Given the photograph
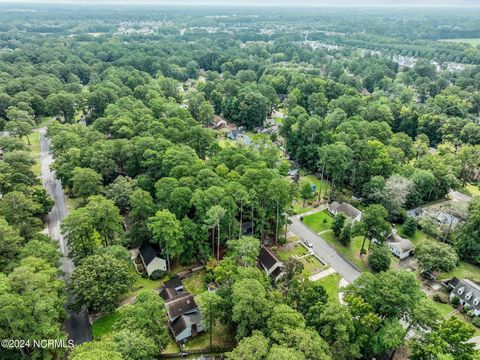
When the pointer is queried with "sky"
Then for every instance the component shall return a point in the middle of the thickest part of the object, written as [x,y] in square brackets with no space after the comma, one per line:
[293,3]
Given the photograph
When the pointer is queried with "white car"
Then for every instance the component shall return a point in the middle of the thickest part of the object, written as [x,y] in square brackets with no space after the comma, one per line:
[308,243]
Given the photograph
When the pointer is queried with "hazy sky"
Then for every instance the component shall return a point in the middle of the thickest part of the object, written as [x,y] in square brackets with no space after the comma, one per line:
[296,3]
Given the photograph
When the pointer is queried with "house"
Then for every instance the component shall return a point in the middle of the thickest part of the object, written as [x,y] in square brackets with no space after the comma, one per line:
[400,247]
[468,292]
[219,123]
[345,208]
[171,288]
[269,262]
[180,305]
[415,213]
[186,326]
[447,219]
[151,262]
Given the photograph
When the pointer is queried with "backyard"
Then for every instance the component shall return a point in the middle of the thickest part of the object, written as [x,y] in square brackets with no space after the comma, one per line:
[311,265]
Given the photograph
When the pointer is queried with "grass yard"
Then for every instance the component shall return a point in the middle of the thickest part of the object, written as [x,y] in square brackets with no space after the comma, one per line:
[298,250]
[73,203]
[195,284]
[171,348]
[417,238]
[311,265]
[299,209]
[319,221]
[222,337]
[351,252]
[472,190]
[321,185]
[331,284]
[463,270]
[140,284]
[104,325]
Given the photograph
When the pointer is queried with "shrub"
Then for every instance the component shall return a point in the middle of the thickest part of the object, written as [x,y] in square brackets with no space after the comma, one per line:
[476,321]
[455,301]
[440,298]
[157,275]
[410,226]
[466,309]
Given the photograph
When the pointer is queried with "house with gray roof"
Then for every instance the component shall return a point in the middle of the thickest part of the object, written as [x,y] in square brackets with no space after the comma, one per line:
[400,247]
[468,292]
[150,259]
[346,209]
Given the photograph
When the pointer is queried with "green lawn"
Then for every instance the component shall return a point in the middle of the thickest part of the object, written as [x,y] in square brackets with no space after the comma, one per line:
[104,325]
[73,203]
[35,152]
[462,271]
[195,284]
[299,209]
[311,265]
[417,238]
[319,221]
[298,250]
[331,284]
[472,190]
[171,348]
[321,185]
[351,252]
[140,284]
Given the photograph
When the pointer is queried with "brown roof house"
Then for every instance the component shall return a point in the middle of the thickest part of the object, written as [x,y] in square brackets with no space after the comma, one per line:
[346,209]
[269,262]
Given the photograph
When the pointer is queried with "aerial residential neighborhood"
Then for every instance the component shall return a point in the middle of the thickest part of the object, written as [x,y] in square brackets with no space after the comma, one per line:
[265,180]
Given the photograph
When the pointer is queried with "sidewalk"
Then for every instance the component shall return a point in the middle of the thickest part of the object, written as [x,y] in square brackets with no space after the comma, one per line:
[322,274]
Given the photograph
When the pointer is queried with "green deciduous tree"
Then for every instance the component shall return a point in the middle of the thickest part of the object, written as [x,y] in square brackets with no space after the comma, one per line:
[99,281]
[379,257]
[86,182]
[244,250]
[435,256]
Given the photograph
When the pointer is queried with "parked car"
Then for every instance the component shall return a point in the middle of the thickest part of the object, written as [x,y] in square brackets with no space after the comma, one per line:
[308,243]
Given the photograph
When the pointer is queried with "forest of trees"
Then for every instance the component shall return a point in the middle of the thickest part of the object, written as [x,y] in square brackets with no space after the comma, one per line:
[130,127]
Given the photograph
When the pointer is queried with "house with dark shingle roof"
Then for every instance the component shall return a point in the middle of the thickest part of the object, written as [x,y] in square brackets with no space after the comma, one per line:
[346,209]
[150,259]
[269,262]
[468,292]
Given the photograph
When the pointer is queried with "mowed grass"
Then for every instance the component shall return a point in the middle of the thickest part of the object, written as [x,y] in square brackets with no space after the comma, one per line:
[319,221]
[464,270]
[331,284]
[416,238]
[298,250]
[322,186]
[104,325]
[351,252]
[472,190]
[311,265]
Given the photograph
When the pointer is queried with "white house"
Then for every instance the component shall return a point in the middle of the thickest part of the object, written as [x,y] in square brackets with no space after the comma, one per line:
[346,209]
[468,292]
[150,260]
[400,247]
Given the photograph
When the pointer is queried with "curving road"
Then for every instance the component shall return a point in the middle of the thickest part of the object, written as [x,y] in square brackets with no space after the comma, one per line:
[344,267]
[77,325]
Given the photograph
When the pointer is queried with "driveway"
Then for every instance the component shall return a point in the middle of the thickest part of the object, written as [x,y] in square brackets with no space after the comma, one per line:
[77,324]
[347,270]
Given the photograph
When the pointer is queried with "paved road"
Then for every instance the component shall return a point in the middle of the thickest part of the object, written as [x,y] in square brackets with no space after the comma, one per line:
[348,271]
[77,325]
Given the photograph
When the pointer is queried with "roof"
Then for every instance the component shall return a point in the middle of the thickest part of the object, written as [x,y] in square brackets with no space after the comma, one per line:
[173,283]
[181,305]
[185,321]
[168,293]
[345,208]
[148,253]
[275,273]
[401,243]
[470,292]
[267,258]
